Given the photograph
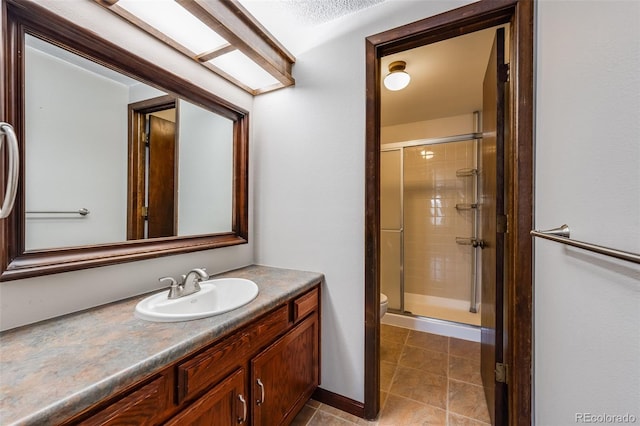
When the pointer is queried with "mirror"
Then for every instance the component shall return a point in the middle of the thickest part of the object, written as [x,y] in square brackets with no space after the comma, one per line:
[77,157]
[121,160]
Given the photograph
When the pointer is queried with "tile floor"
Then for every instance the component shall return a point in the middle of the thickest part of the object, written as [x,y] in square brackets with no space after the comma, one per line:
[425,379]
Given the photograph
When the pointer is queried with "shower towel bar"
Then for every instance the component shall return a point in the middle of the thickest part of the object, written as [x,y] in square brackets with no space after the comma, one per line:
[562,235]
[466,172]
[466,206]
[81,212]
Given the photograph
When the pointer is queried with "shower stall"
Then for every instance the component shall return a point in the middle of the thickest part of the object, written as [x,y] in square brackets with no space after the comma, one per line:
[429,236]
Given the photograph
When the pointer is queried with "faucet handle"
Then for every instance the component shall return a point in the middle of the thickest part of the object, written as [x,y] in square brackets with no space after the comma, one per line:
[171,279]
[174,289]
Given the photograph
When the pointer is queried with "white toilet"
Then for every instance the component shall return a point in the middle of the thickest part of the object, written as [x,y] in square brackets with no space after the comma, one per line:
[383,304]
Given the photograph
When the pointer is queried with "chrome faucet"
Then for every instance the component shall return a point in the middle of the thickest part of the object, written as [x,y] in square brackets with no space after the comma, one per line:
[190,283]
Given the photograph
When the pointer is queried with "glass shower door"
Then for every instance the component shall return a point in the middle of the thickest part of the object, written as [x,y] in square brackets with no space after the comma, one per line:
[391,230]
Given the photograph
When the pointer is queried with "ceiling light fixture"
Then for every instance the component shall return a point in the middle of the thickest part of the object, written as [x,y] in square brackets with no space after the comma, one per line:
[398,78]
[220,35]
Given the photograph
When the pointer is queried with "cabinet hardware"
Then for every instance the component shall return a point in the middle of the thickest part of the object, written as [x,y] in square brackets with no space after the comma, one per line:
[244,410]
[261,400]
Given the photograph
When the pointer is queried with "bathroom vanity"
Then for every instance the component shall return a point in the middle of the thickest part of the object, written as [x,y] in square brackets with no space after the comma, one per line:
[255,365]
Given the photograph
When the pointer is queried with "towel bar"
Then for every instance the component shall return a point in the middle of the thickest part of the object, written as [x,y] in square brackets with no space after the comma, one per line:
[562,235]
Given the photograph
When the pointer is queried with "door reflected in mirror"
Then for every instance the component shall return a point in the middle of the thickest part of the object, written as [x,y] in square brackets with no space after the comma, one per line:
[144,163]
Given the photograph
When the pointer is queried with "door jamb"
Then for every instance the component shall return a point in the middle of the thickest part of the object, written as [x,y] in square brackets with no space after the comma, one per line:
[136,159]
[519,197]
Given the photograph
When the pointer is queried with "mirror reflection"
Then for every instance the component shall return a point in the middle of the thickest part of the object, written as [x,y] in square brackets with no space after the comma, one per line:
[144,164]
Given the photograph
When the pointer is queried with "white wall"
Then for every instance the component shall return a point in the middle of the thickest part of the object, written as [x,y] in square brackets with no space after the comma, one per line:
[309,181]
[436,128]
[587,306]
[29,300]
[83,166]
[206,172]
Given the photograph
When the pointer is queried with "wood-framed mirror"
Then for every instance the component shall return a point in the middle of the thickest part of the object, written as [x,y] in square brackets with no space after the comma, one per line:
[83,109]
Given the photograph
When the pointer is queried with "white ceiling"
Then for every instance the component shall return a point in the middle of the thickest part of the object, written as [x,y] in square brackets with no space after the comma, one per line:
[446,77]
[314,12]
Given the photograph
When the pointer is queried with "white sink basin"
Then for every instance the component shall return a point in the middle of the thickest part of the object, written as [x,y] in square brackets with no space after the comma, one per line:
[215,297]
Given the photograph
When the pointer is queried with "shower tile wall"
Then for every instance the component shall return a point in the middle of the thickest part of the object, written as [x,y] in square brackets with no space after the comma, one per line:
[434,264]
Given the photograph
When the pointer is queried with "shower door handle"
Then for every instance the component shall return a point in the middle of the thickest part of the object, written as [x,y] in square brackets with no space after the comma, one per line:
[474,242]
[477,243]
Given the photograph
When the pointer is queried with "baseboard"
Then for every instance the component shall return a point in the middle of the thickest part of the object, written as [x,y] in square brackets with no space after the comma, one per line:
[340,402]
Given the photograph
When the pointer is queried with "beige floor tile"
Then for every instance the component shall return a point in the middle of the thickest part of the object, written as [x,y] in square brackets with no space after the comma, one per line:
[393,334]
[432,342]
[313,403]
[322,418]
[390,351]
[425,360]
[387,370]
[425,379]
[345,416]
[468,400]
[420,386]
[383,399]
[457,420]
[464,348]
[399,411]
[465,370]
[304,416]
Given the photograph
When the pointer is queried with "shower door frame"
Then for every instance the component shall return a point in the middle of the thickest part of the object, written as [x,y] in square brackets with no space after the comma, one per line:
[401,230]
[400,146]
[519,187]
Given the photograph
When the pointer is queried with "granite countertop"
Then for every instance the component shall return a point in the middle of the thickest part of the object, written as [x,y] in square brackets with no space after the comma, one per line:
[54,369]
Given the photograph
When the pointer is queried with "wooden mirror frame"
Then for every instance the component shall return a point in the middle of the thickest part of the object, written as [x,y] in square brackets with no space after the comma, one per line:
[19,18]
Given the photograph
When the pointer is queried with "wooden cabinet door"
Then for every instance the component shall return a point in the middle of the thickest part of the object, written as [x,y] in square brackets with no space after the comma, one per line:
[223,405]
[284,375]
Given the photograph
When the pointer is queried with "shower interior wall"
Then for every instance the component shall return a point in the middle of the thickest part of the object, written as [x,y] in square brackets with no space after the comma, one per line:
[437,271]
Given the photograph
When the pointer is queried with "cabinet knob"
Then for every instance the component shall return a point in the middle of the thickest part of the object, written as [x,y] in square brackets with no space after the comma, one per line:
[261,400]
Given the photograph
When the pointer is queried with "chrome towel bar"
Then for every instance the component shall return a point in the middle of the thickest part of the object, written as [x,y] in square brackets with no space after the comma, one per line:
[563,234]
[81,212]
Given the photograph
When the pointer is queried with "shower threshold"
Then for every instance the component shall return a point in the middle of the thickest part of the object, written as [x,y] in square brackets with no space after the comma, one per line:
[432,325]
[441,308]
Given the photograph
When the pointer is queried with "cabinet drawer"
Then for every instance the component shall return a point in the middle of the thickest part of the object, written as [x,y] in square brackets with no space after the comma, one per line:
[145,406]
[214,364]
[211,366]
[266,329]
[305,304]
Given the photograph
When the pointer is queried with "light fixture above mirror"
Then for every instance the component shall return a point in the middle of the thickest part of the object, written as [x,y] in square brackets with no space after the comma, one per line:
[220,35]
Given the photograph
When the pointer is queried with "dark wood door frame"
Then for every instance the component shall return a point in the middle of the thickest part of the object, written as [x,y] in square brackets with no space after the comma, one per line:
[518,181]
[137,113]
[491,210]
